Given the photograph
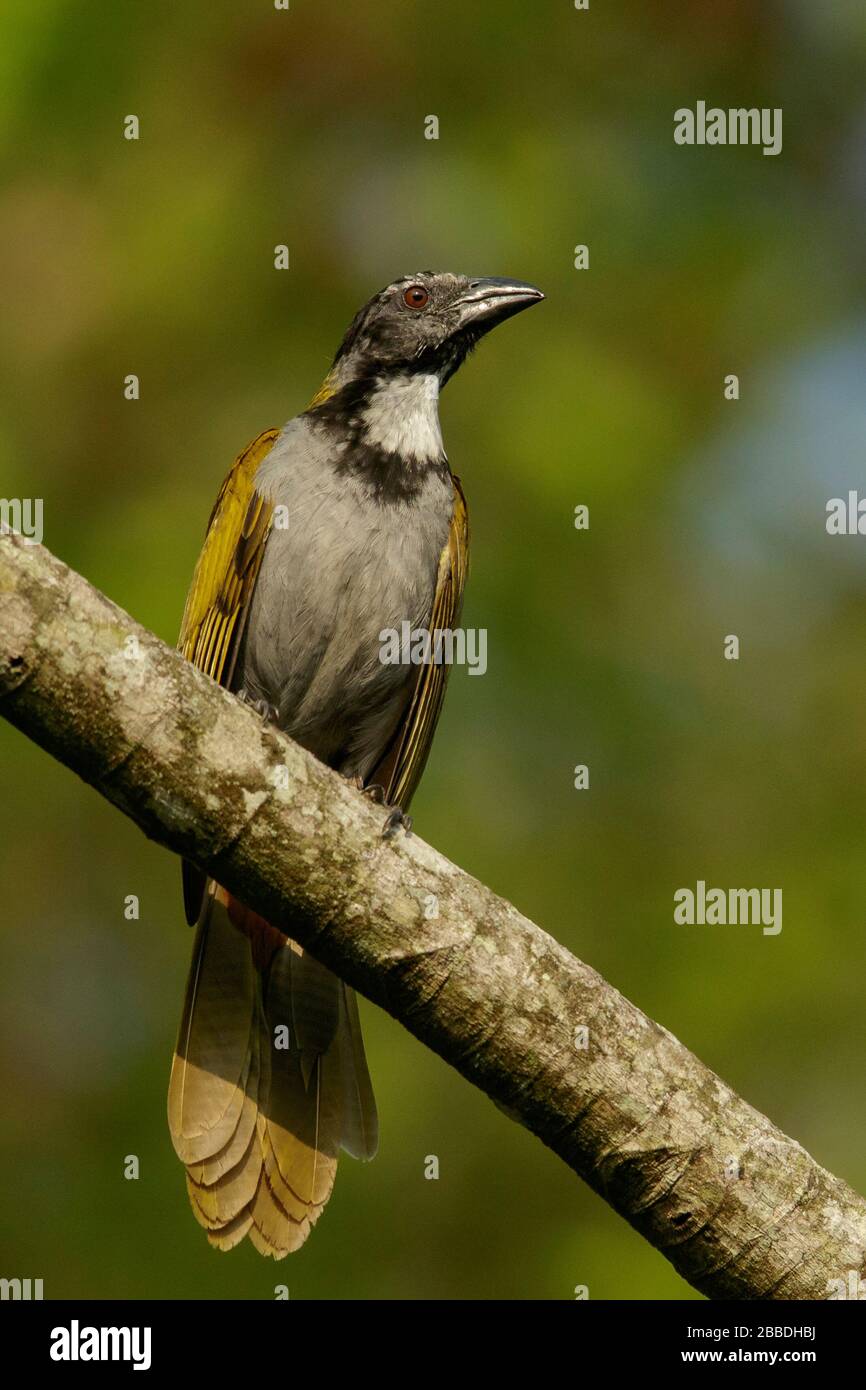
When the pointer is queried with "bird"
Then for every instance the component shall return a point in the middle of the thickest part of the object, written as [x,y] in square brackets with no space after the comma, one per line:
[343,524]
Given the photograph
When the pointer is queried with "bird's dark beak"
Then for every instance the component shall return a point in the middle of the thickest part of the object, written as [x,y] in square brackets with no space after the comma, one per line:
[491,301]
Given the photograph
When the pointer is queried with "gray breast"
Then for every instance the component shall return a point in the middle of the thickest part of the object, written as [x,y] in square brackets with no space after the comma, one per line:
[342,568]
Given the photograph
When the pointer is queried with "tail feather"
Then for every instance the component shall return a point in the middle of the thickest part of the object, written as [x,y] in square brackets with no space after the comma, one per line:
[303,1127]
[360,1129]
[219,1204]
[210,1170]
[274,1231]
[211,1063]
[227,1237]
[279,1189]
[258,1111]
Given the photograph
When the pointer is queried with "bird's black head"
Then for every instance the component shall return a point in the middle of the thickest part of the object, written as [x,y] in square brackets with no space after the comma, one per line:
[427,323]
[379,400]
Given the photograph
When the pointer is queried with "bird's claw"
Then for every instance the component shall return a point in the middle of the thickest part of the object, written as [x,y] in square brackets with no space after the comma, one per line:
[267,713]
[395,819]
[376,793]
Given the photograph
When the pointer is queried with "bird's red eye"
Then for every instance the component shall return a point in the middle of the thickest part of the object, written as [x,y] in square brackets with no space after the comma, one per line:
[416,297]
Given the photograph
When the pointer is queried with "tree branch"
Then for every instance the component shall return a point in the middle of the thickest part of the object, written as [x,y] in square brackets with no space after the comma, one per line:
[738,1208]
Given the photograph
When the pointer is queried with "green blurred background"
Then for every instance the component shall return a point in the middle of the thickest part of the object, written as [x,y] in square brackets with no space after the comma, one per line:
[605,647]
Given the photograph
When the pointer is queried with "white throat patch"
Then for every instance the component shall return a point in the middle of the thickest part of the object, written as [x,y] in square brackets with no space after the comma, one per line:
[402,417]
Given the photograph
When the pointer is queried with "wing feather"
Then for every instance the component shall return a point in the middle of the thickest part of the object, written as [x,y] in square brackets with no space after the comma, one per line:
[228,566]
[222,585]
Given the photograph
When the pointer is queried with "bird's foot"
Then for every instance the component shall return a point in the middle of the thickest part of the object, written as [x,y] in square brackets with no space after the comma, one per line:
[267,713]
[396,818]
[376,793]
[373,792]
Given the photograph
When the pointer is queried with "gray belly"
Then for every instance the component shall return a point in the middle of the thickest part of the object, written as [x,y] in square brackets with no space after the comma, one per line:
[341,570]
